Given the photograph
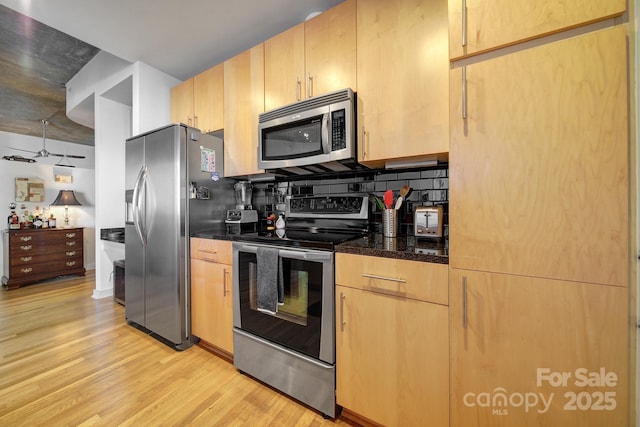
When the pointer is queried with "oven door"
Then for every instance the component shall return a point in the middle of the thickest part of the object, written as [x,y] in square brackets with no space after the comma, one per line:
[304,322]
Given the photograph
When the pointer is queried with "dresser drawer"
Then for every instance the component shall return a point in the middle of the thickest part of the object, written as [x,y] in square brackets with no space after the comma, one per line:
[35,257]
[401,278]
[37,269]
[219,251]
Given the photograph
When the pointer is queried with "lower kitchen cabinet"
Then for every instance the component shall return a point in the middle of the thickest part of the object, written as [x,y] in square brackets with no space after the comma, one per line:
[537,352]
[392,340]
[211,298]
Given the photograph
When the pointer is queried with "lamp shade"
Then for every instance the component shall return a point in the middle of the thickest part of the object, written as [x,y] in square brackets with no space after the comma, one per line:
[66,198]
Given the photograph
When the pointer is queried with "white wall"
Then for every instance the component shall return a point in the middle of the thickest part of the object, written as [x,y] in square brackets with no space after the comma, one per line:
[120,100]
[45,169]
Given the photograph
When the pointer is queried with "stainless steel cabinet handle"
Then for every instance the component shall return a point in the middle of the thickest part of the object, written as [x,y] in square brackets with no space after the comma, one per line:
[364,152]
[206,251]
[464,303]
[298,82]
[224,282]
[464,22]
[309,81]
[390,279]
[464,92]
[195,121]
[342,322]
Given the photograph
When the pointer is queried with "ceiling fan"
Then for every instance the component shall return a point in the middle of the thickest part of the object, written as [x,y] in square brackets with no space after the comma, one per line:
[45,153]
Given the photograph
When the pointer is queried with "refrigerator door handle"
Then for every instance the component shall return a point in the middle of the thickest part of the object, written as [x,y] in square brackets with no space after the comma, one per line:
[137,194]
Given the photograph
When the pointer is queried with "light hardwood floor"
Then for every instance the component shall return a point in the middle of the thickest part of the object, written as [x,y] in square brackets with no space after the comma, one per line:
[67,359]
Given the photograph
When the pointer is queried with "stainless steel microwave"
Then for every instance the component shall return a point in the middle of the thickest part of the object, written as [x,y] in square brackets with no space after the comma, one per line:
[317,131]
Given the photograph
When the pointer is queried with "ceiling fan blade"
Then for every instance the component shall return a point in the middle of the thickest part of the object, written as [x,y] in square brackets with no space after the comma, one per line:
[20,149]
[73,156]
[63,165]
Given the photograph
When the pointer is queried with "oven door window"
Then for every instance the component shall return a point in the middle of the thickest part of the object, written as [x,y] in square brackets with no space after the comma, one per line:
[297,322]
[293,140]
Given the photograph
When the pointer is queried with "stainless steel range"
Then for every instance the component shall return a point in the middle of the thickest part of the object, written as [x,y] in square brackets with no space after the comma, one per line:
[284,297]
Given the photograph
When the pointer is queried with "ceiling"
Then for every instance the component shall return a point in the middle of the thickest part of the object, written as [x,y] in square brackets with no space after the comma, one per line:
[45,43]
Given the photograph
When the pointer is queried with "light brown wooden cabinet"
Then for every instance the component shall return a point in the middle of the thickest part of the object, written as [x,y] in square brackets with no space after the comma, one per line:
[182,103]
[243,102]
[485,25]
[403,80]
[198,101]
[315,57]
[211,293]
[518,340]
[392,338]
[539,168]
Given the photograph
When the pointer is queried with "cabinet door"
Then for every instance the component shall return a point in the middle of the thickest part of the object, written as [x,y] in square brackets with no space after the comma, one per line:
[243,102]
[497,23]
[403,78]
[330,50]
[392,358]
[182,103]
[211,303]
[284,78]
[529,339]
[208,89]
[539,169]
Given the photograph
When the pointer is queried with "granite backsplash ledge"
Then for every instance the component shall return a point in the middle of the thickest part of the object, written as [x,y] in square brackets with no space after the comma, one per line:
[430,186]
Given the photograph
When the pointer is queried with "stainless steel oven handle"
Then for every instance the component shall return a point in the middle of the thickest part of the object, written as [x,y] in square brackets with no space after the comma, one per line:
[311,256]
[284,253]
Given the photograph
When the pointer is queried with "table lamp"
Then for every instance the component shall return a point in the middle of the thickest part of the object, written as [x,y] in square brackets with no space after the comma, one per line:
[66,198]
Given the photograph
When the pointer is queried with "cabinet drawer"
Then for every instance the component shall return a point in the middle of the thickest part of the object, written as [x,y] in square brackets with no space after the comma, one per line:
[406,279]
[211,250]
[34,257]
[49,268]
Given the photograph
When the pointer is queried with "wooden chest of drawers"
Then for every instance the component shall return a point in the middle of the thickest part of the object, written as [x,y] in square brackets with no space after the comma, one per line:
[32,255]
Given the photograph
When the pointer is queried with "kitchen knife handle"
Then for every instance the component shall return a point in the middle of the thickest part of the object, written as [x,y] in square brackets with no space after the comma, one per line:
[342,322]
[464,92]
[465,321]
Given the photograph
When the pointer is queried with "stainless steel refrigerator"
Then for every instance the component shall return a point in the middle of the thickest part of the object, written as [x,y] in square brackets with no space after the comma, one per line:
[174,187]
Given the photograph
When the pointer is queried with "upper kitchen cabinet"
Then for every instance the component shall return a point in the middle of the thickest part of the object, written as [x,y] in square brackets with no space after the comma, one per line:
[403,80]
[313,58]
[208,95]
[182,103]
[480,25]
[243,102]
[198,101]
[539,169]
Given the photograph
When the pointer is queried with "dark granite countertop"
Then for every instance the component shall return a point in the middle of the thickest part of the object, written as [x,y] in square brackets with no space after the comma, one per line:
[215,233]
[112,234]
[401,247]
[373,244]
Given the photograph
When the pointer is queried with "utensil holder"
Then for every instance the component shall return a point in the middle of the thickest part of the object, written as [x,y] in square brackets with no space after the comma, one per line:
[389,223]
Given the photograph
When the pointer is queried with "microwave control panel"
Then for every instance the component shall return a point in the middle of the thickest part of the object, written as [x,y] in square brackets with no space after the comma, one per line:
[338,130]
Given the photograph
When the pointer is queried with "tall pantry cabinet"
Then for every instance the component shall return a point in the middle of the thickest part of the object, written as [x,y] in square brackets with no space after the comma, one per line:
[539,234]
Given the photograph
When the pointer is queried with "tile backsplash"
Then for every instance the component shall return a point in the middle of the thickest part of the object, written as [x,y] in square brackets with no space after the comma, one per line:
[430,186]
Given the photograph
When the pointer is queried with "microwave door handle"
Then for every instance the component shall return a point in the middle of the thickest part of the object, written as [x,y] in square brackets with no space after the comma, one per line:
[325,134]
